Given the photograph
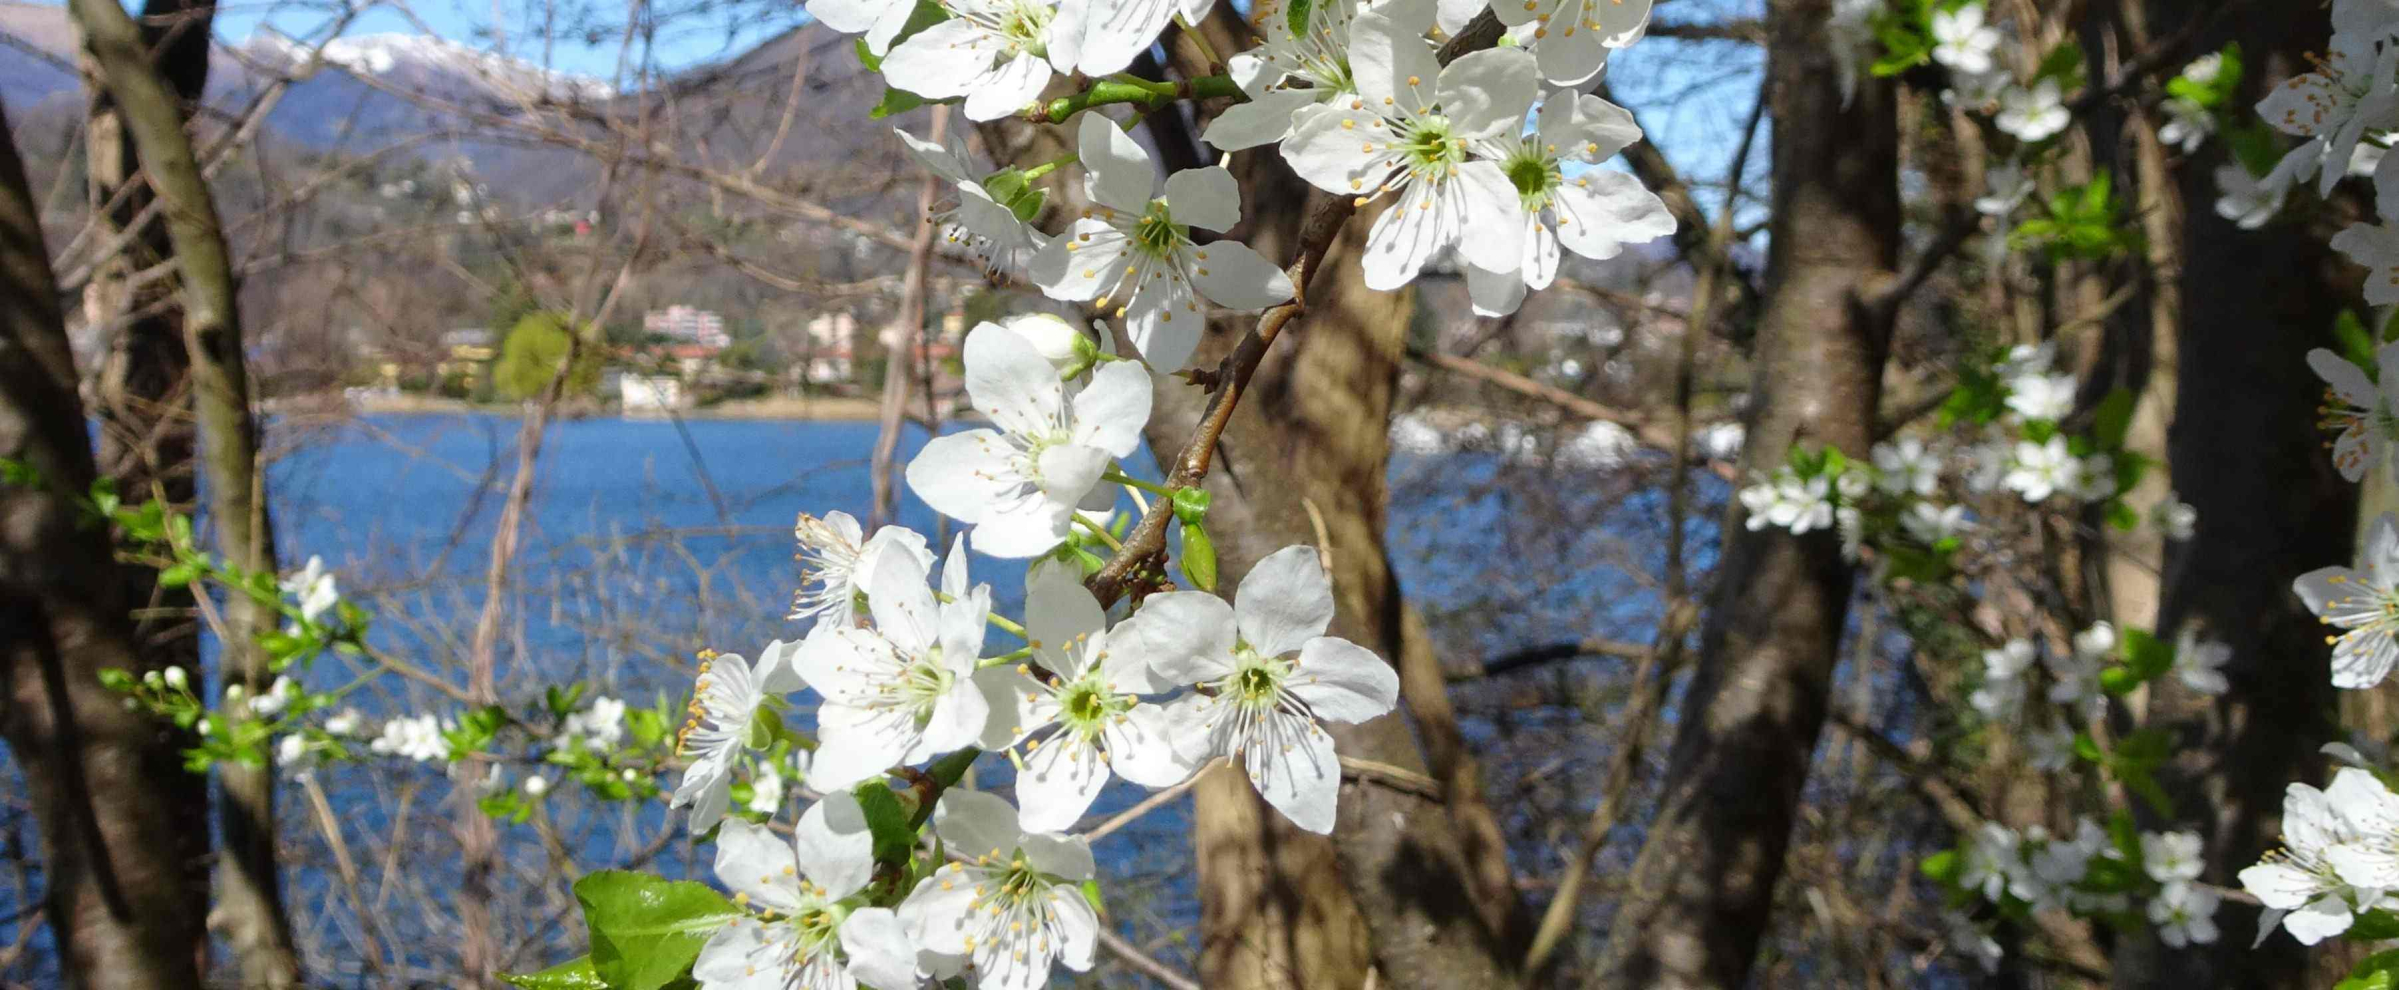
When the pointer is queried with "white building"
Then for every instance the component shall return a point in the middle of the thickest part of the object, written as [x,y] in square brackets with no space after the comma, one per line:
[688,325]
[829,337]
[650,394]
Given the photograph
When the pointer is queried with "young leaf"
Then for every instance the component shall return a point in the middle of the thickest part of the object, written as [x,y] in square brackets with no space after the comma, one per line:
[645,930]
[574,974]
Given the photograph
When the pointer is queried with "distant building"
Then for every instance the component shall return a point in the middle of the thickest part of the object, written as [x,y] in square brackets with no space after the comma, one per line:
[469,344]
[693,360]
[650,393]
[687,325]
[829,354]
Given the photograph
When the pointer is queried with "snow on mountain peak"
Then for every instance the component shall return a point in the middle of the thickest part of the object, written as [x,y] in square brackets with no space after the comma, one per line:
[384,54]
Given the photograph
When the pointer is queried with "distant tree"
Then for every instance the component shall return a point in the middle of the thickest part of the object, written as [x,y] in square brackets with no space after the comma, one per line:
[532,353]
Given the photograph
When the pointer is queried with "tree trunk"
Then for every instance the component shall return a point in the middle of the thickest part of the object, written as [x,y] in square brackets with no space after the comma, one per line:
[249,905]
[142,393]
[119,900]
[1703,884]
[1427,880]
[2246,453]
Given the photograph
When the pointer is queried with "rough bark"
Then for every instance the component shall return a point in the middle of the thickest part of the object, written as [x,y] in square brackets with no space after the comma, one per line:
[249,906]
[1427,881]
[2246,453]
[1704,881]
[142,391]
[119,900]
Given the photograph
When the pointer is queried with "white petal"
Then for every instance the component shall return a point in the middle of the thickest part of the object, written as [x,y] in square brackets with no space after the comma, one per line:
[882,954]
[936,918]
[1234,276]
[2321,919]
[1285,601]
[960,474]
[1453,15]
[1493,231]
[1058,611]
[1117,173]
[957,721]
[1571,60]
[1204,197]
[1186,636]
[1343,681]
[1141,749]
[729,960]
[1066,856]
[1119,31]
[939,62]
[835,849]
[1332,157]
[975,823]
[850,749]
[903,606]
[1297,772]
[1164,320]
[1068,471]
[1011,382]
[1110,412]
[963,624]
[1060,780]
[1487,92]
[775,673]
[2372,866]
[1494,293]
[751,860]
[1083,264]
[1024,527]
[1265,119]
[946,161]
[1010,697]
[1407,237]
[2280,885]
[1078,930]
[1603,210]
[1387,49]
[1008,89]
[1591,121]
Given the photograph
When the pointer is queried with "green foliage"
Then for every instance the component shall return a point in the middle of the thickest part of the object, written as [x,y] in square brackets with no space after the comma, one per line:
[2356,344]
[535,349]
[2063,64]
[2379,971]
[2378,925]
[2081,224]
[894,101]
[1010,188]
[645,931]
[1296,17]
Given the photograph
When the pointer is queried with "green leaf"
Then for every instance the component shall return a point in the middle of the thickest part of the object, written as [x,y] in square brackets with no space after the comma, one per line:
[574,974]
[2064,64]
[1942,867]
[2122,516]
[2147,655]
[895,101]
[895,839]
[1296,17]
[2356,344]
[2113,418]
[1091,893]
[2373,926]
[19,473]
[2379,971]
[645,930]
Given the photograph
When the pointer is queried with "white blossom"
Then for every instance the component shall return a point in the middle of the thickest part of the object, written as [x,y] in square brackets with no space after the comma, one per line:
[2184,914]
[2008,185]
[2041,396]
[2171,856]
[835,559]
[2199,663]
[1930,524]
[2248,201]
[1092,698]
[2187,125]
[1019,484]
[1267,704]
[2040,470]
[801,928]
[2354,88]
[2033,115]
[996,53]
[1571,39]
[1133,248]
[725,700]
[1408,133]
[2175,518]
[1289,78]
[536,785]
[314,588]
[1594,214]
[2357,410]
[1907,466]
[903,691]
[1011,908]
[972,219]
[2300,885]
[1989,860]
[2376,245]
[1962,41]
[418,738]
[2363,604]
[599,728]
[2050,749]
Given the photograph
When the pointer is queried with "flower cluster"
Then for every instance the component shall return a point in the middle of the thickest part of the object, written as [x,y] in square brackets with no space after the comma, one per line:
[1351,94]
[903,678]
[2094,872]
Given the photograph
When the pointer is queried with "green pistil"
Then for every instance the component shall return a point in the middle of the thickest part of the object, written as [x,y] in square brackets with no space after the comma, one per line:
[1156,233]
[1085,703]
[1027,27]
[1535,177]
[1428,148]
[1256,679]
